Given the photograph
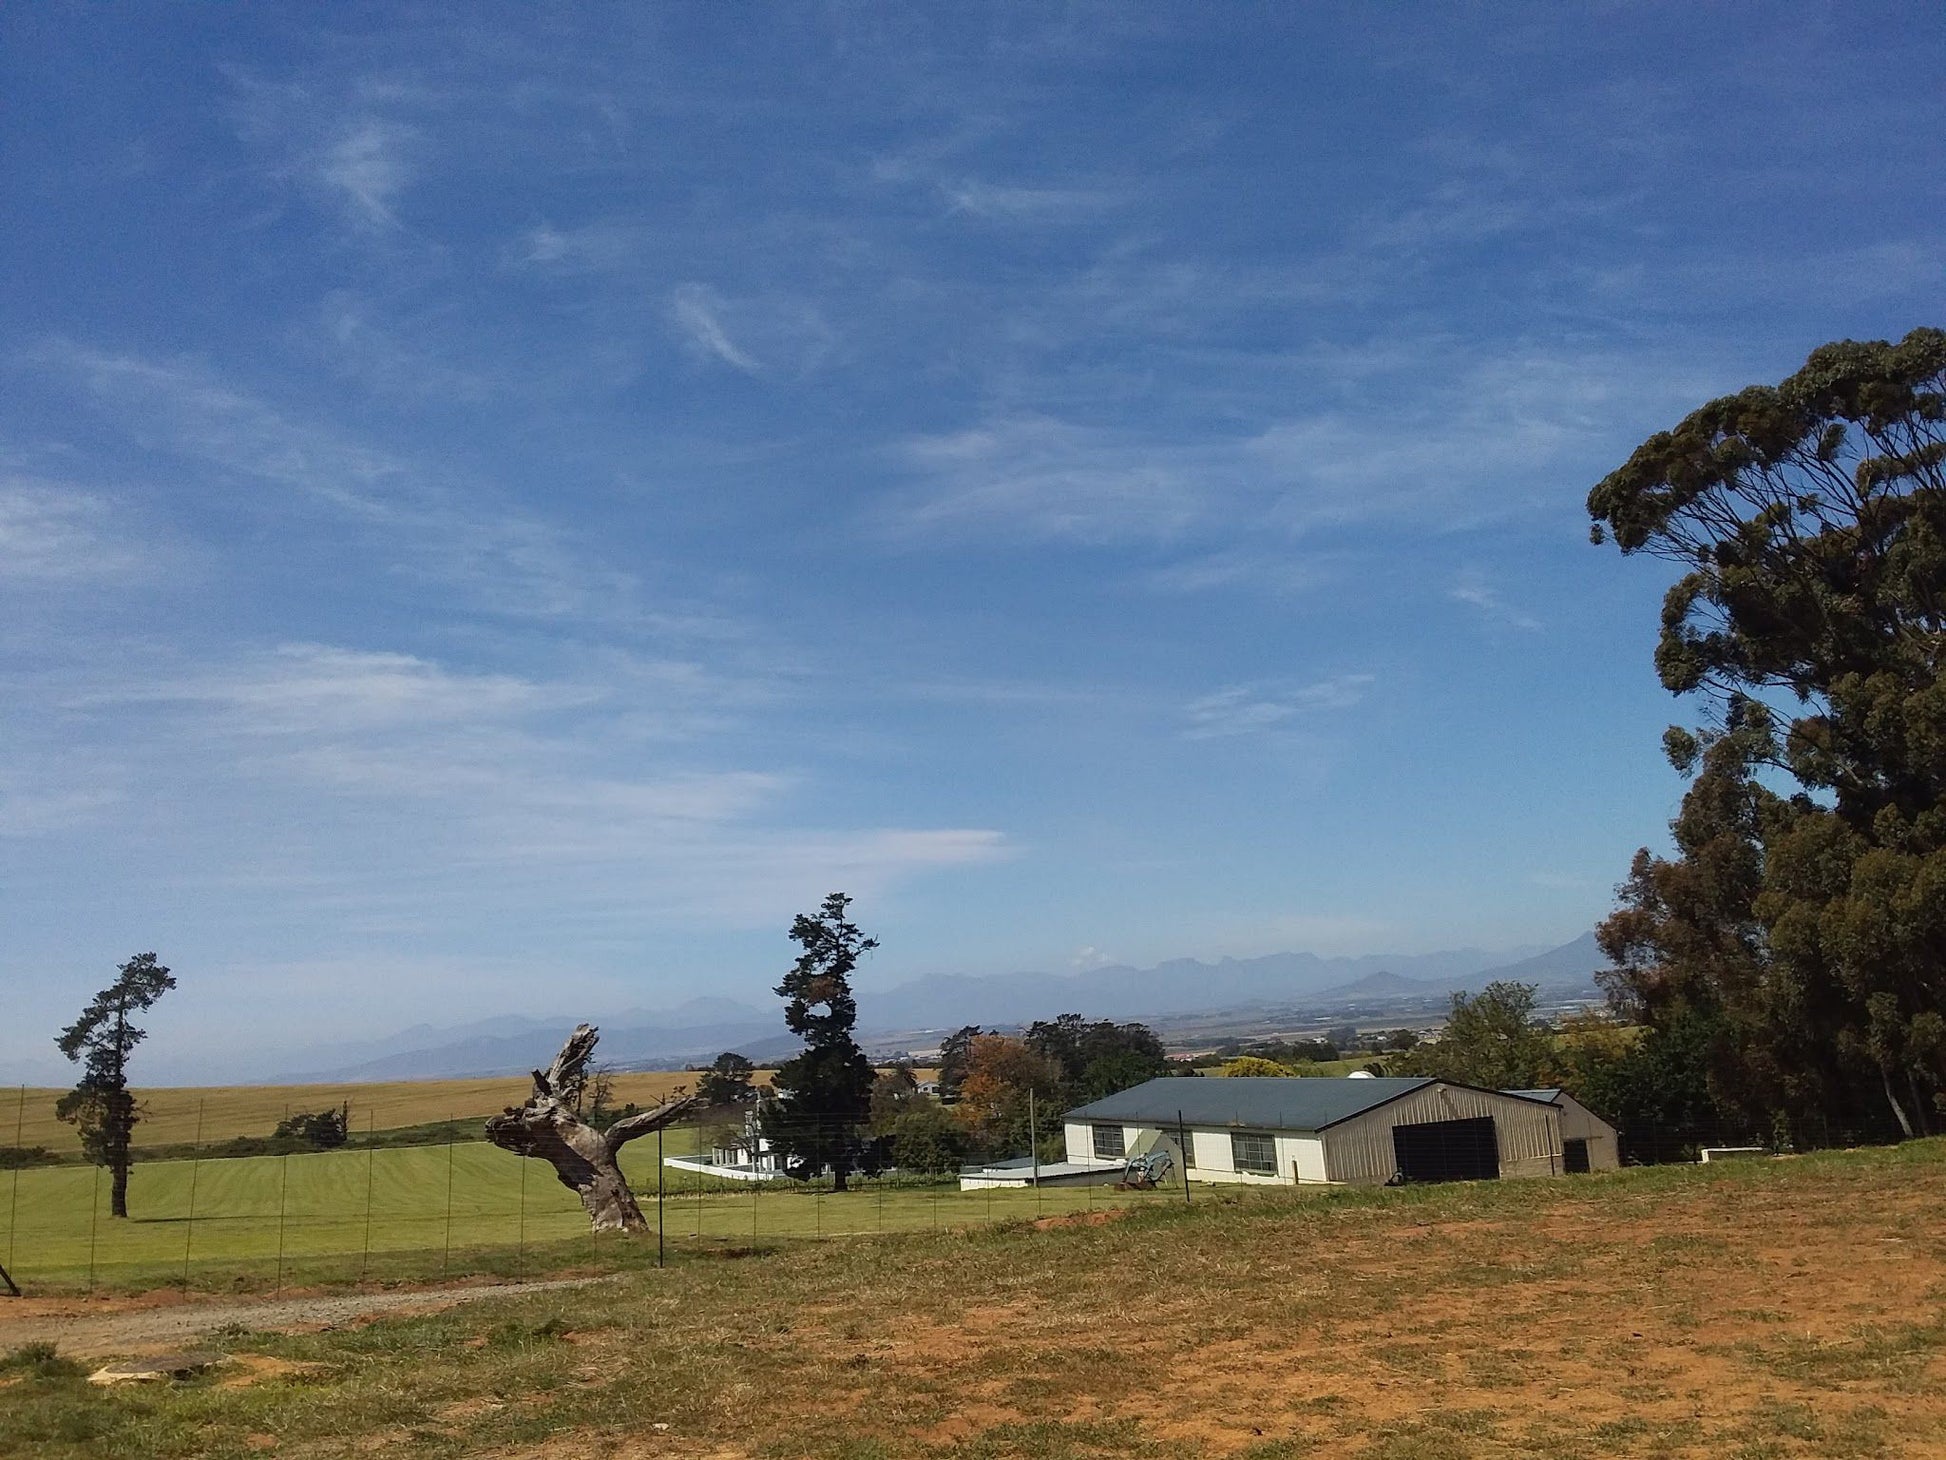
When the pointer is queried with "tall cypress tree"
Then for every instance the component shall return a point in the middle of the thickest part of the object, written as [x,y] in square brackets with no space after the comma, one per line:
[101,1041]
[823,1107]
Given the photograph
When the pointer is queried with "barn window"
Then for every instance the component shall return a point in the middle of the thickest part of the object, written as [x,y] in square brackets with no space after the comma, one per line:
[1109,1145]
[1187,1140]
[1253,1153]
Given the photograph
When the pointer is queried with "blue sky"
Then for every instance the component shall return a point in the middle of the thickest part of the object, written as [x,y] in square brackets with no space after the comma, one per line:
[502,506]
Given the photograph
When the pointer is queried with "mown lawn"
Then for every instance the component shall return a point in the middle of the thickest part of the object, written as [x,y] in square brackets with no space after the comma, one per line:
[272,1221]
[1788,1308]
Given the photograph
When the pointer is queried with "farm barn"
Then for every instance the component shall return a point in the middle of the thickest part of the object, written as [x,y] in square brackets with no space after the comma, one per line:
[1355,1131]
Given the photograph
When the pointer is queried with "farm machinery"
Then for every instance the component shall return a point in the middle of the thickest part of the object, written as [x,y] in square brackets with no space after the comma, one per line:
[1147,1171]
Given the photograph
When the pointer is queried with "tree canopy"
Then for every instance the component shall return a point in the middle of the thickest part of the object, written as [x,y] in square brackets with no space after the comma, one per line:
[1491,1039]
[1801,923]
[727,1081]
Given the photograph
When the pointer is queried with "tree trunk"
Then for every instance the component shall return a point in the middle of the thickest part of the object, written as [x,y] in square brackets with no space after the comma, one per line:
[584,1159]
[1897,1109]
[118,1188]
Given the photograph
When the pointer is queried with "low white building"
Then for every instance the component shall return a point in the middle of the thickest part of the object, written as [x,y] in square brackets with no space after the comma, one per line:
[745,1155]
[1351,1131]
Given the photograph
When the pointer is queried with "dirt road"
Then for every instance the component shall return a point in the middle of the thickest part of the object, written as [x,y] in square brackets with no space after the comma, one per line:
[95,1328]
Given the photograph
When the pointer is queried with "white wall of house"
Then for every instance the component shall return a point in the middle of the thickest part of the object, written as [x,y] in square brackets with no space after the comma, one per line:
[1299,1156]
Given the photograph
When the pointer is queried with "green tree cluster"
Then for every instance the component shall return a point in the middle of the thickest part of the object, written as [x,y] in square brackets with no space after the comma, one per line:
[1797,935]
[1097,1058]
[1492,1039]
[322,1130]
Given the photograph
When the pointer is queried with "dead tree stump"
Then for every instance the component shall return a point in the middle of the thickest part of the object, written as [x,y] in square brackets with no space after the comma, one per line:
[585,1159]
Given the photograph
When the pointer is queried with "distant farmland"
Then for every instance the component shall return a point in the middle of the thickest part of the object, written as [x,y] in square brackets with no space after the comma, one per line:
[175,1115]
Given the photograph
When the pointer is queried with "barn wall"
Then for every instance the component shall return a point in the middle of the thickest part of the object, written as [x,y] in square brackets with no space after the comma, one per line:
[1578,1120]
[1359,1151]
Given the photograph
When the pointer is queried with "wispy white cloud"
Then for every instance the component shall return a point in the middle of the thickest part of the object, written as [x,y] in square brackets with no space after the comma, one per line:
[553,797]
[430,523]
[1033,476]
[1473,588]
[1250,709]
[694,308]
[366,167]
[1285,573]
[999,202]
[1487,442]
[56,534]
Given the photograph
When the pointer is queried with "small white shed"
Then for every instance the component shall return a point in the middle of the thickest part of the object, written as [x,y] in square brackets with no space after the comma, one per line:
[1341,1131]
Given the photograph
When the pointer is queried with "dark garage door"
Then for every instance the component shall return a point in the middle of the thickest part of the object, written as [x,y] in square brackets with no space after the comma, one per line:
[1447,1150]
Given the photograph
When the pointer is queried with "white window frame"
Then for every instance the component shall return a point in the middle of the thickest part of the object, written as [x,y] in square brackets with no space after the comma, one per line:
[1267,1166]
[1121,1142]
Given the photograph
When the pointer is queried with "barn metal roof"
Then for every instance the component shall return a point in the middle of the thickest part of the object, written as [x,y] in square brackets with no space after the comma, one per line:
[1550,1096]
[1263,1102]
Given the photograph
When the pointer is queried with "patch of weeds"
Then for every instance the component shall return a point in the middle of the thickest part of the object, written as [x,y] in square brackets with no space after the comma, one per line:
[1873,1353]
[1286,1449]
[41,1361]
[1056,1440]
[1860,1433]
[1794,1420]
[515,1334]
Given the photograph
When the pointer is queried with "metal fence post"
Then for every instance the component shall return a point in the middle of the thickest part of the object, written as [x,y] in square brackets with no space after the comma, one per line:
[20,1156]
[283,1191]
[94,1224]
[195,1164]
[371,1151]
[659,1168]
[446,1253]
[1182,1144]
[520,1258]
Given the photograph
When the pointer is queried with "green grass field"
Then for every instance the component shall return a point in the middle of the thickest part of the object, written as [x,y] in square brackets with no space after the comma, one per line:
[468,1207]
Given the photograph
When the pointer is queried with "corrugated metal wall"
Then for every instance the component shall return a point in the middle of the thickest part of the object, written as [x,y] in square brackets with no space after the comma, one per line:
[1578,1120]
[1360,1151]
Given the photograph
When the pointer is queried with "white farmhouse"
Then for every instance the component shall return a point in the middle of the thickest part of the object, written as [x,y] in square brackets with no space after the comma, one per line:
[1351,1131]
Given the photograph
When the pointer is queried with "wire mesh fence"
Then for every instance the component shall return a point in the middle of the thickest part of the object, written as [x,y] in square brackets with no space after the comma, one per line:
[459,1208]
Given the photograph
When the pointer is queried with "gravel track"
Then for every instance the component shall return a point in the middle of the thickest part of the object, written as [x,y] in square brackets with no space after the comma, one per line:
[85,1330]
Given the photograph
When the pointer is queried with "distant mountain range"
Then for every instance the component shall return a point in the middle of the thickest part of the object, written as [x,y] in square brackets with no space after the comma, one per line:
[1181,988]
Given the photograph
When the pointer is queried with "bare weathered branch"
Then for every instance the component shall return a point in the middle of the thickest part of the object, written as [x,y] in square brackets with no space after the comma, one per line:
[583,1158]
[628,1128]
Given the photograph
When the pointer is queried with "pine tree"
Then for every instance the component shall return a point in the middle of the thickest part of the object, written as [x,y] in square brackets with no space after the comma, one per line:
[824,1095]
[101,1041]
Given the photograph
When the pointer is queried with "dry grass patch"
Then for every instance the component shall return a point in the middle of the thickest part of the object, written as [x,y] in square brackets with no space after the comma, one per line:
[1784,1309]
